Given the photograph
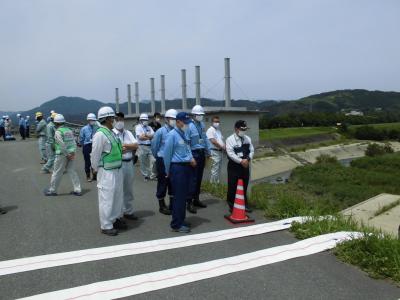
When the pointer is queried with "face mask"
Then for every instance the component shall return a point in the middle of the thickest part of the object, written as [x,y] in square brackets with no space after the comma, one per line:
[145,123]
[241,133]
[215,125]
[92,122]
[199,118]
[157,119]
[113,123]
[184,128]
[172,123]
[119,125]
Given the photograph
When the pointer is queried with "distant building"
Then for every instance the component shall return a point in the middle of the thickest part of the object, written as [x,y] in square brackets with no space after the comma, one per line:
[355,113]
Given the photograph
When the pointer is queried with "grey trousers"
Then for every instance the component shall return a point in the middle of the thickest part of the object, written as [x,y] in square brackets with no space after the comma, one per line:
[61,164]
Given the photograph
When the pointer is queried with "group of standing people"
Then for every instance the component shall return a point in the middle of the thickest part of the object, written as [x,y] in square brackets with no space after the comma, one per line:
[173,153]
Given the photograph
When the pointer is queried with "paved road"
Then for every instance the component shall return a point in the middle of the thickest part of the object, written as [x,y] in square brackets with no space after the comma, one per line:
[37,225]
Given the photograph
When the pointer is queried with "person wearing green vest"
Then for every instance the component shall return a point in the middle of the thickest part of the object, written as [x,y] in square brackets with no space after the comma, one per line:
[65,149]
[106,161]
[50,145]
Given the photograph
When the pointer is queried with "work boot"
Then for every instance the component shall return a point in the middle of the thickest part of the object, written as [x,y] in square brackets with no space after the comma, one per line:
[198,203]
[131,216]
[163,208]
[182,229]
[120,224]
[110,232]
[190,207]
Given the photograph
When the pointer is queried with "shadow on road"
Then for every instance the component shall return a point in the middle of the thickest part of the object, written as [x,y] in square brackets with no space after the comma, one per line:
[196,221]
[9,208]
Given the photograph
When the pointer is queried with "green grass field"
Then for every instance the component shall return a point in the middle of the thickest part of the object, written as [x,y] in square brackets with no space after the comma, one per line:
[285,133]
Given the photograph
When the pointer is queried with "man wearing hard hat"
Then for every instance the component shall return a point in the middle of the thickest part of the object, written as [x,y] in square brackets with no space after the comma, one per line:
[157,148]
[22,126]
[106,160]
[200,147]
[41,134]
[65,149]
[144,135]
[50,145]
[85,141]
[27,126]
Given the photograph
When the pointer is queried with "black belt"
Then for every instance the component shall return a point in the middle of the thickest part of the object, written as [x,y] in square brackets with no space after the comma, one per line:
[181,163]
[198,150]
[127,160]
[144,145]
[216,149]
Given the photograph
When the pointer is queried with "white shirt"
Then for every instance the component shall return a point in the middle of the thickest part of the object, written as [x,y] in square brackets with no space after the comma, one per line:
[140,129]
[235,141]
[126,137]
[100,144]
[213,133]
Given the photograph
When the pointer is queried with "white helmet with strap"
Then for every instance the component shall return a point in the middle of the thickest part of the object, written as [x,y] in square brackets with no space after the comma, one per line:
[59,118]
[144,117]
[198,110]
[105,112]
[91,117]
[171,113]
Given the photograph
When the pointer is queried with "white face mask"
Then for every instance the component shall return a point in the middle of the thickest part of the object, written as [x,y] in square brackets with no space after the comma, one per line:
[113,123]
[92,122]
[119,125]
[172,123]
[241,133]
[145,123]
[199,118]
[215,125]
[184,128]
[157,119]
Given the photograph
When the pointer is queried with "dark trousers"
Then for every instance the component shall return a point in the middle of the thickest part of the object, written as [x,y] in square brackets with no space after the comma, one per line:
[22,131]
[27,132]
[163,183]
[180,178]
[197,172]
[87,149]
[3,133]
[236,172]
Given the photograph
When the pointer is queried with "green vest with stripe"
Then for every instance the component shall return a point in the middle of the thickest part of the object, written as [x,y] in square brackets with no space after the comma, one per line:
[112,160]
[68,139]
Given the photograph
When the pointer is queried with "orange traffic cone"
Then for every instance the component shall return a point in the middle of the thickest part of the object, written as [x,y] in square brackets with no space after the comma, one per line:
[239,208]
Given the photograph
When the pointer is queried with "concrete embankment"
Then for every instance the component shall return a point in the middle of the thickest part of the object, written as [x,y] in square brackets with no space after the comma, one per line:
[269,166]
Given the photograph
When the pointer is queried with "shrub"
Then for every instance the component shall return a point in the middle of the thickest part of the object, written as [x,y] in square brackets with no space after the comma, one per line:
[376,149]
[370,133]
[326,159]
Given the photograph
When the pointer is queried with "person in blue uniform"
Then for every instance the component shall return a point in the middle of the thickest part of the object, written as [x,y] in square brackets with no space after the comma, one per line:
[157,148]
[22,126]
[179,164]
[85,141]
[200,147]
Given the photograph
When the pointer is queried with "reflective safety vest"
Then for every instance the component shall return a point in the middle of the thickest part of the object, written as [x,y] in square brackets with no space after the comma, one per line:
[113,159]
[68,139]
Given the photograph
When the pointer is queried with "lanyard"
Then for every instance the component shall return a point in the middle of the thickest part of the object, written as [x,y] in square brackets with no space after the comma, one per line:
[200,132]
[182,136]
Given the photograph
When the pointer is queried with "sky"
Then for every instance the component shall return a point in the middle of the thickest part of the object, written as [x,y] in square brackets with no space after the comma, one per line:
[279,49]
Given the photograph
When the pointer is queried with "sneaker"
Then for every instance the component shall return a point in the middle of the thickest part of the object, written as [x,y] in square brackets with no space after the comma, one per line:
[110,232]
[120,224]
[49,193]
[132,217]
[182,229]
[76,193]
[89,179]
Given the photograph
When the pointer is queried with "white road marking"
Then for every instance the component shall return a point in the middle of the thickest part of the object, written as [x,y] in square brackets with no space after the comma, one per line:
[81,256]
[143,283]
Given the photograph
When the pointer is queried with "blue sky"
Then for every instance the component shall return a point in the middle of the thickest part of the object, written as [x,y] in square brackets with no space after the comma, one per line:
[282,49]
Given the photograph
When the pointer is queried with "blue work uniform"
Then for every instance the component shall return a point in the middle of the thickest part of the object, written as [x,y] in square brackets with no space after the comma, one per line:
[157,148]
[177,157]
[85,140]
[27,125]
[22,127]
[200,147]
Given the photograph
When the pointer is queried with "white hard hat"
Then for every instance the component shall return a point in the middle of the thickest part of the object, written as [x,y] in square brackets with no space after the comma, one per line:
[59,118]
[52,112]
[198,110]
[105,112]
[91,117]
[143,117]
[171,113]
[27,117]
[18,115]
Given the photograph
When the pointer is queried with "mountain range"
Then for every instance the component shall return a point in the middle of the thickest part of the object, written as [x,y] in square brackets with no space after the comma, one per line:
[75,108]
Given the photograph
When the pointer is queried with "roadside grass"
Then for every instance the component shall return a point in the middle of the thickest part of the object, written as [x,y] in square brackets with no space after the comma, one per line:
[395,125]
[326,188]
[285,133]
[342,140]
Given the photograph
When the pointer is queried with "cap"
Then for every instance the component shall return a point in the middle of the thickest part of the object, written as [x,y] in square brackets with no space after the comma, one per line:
[242,125]
[184,117]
